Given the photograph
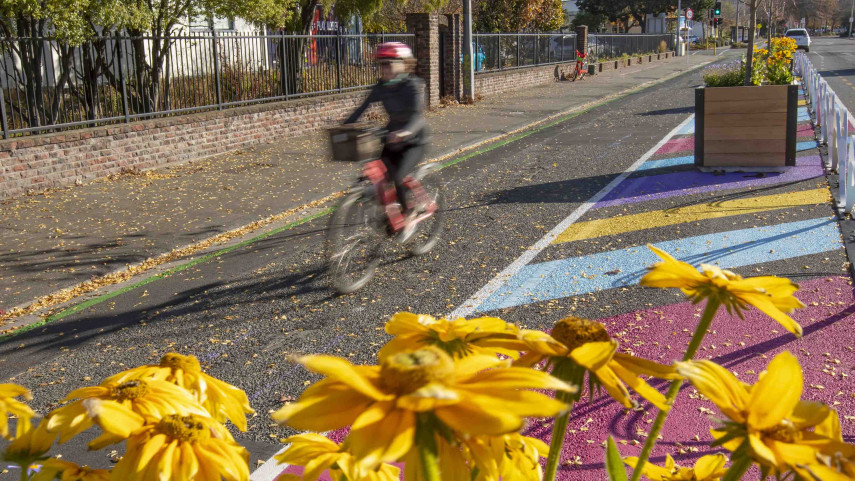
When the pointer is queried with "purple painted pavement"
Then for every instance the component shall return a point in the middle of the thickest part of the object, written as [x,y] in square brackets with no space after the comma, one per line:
[652,187]
[743,346]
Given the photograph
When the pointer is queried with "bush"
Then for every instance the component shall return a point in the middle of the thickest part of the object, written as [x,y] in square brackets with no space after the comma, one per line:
[729,74]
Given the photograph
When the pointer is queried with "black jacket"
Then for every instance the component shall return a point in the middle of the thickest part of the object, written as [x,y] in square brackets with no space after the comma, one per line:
[404,103]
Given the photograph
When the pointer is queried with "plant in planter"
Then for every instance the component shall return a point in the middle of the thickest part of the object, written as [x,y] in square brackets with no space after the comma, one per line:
[753,127]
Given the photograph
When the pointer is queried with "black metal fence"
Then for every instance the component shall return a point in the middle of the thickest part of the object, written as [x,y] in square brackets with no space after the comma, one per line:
[499,51]
[615,45]
[46,85]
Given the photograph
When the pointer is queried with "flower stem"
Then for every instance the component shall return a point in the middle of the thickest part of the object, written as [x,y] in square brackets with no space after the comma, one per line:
[559,429]
[567,371]
[701,331]
[737,468]
[428,451]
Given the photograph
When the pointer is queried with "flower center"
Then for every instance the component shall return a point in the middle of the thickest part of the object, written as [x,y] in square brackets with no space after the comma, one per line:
[574,332]
[131,390]
[184,363]
[785,432]
[188,429]
[716,272]
[406,372]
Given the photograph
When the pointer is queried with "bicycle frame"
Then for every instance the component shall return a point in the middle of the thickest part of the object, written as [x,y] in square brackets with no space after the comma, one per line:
[384,191]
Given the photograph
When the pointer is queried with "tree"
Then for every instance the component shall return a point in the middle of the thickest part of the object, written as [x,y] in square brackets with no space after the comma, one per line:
[752,26]
[592,20]
[519,15]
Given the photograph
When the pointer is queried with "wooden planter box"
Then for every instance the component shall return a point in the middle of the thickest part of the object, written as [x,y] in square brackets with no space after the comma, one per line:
[748,127]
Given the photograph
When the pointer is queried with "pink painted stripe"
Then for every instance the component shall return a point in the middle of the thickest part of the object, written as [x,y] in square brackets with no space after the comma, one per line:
[677,145]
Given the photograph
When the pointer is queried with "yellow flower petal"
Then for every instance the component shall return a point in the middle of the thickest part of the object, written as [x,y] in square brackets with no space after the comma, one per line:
[428,398]
[613,385]
[542,343]
[344,372]
[650,470]
[471,418]
[407,322]
[640,386]
[112,417]
[326,405]
[719,385]
[710,467]
[761,451]
[516,378]
[764,303]
[777,393]
[638,365]
[401,343]
[382,434]
[594,355]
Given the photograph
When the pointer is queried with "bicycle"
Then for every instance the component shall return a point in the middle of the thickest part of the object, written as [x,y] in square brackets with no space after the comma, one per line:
[581,65]
[371,213]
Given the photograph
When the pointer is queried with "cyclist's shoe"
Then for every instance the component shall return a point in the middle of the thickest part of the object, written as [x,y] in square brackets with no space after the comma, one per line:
[410,225]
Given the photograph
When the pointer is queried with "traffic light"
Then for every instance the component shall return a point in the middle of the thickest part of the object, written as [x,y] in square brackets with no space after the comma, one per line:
[717,9]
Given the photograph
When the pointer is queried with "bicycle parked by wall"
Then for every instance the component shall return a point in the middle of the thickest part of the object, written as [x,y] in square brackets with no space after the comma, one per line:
[581,66]
[372,214]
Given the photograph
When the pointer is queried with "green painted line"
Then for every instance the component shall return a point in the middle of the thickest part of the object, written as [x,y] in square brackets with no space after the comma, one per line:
[169,272]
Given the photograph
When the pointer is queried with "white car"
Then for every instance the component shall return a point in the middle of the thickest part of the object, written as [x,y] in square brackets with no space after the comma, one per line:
[801,37]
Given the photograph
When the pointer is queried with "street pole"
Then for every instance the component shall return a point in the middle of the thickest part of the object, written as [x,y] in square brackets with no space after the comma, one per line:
[737,22]
[679,33]
[468,64]
[851,14]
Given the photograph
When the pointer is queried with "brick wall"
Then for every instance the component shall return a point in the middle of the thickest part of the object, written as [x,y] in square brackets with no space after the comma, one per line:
[54,160]
[487,84]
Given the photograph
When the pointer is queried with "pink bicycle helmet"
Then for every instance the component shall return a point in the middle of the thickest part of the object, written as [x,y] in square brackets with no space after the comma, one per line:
[393,51]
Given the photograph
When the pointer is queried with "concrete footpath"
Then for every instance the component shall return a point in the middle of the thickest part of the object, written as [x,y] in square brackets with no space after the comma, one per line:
[116,227]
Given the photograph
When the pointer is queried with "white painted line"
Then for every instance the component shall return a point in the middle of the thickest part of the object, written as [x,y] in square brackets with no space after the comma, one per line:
[270,469]
[468,307]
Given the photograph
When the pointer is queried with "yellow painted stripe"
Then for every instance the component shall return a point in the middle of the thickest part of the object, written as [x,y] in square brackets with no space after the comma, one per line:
[802,103]
[691,213]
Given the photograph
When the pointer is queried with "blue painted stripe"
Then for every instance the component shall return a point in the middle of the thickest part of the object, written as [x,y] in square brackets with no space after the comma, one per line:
[672,162]
[586,274]
[689,128]
[807,145]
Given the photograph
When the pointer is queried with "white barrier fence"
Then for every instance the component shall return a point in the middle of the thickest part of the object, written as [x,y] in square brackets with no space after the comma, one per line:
[833,120]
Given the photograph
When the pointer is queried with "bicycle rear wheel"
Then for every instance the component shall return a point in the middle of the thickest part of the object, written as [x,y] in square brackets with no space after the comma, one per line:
[354,240]
[429,230]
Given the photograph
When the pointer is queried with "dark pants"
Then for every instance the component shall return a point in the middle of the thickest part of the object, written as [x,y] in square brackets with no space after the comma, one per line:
[401,160]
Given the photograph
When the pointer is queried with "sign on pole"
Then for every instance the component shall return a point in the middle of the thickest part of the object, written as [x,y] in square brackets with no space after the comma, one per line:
[689,13]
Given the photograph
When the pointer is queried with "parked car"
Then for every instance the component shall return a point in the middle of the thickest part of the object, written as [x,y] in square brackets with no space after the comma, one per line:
[801,37]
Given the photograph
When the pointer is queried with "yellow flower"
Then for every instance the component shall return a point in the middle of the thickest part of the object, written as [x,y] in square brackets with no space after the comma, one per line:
[518,457]
[770,294]
[10,405]
[768,418]
[222,400]
[474,395]
[459,338]
[707,468]
[183,447]
[31,445]
[150,399]
[66,471]
[317,454]
[590,347]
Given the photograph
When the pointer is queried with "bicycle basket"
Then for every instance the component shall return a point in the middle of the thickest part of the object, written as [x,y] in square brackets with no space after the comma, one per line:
[350,144]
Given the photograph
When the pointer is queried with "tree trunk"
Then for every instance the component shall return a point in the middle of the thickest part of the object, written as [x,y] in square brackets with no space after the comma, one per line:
[749,56]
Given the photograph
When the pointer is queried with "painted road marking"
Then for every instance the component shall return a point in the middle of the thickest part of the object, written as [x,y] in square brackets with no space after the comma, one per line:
[473,302]
[586,274]
[672,162]
[806,145]
[691,213]
[672,184]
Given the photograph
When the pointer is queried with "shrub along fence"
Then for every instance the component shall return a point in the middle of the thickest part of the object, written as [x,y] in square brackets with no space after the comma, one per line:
[46,85]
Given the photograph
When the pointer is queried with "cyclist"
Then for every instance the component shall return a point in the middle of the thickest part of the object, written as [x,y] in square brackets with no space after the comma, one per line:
[402,96]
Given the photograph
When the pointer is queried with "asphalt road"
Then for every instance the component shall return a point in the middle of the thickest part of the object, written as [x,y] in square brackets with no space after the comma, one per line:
[243,313]
[835,59]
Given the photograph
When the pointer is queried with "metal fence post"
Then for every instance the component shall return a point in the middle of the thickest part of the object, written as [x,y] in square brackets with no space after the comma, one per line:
[217,69]
[122,79]
[283,70]
[3,120]
[338,59]
[518,50]
[499,51]
[536,48]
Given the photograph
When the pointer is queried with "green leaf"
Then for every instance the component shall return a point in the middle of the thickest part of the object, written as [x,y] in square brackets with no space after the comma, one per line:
[614,463]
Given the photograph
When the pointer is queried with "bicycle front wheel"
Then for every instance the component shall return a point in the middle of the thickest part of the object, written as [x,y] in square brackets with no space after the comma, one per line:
[429,230]
[354,240]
